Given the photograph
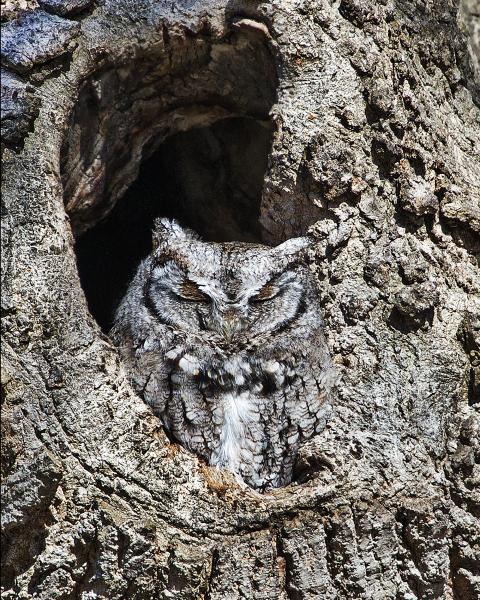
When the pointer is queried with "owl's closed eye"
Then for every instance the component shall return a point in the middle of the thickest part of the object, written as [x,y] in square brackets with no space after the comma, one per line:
[190,291]
[267,292]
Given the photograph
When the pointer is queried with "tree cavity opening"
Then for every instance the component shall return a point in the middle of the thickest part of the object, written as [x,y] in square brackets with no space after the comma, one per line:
[210,179]
[185,135]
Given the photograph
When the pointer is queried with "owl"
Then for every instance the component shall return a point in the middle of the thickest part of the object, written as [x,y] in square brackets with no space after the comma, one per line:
[225,342]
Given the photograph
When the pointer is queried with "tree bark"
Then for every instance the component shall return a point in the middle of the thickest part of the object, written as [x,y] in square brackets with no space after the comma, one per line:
[374,108]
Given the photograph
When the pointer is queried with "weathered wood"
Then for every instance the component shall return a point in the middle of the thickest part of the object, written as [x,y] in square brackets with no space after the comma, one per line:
[375,112]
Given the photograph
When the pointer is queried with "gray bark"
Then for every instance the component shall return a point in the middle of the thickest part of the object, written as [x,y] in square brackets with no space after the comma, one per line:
[375,115]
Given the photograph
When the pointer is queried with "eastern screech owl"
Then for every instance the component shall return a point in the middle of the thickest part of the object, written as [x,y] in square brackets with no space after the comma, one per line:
[225,342]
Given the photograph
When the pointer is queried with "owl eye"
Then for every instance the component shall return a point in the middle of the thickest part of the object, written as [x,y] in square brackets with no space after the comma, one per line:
[190,291]
[267,292]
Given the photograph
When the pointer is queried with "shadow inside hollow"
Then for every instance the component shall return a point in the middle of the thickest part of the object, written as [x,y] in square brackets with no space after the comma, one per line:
[209,178]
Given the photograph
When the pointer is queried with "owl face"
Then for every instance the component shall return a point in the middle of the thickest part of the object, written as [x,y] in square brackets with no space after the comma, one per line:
[226,293]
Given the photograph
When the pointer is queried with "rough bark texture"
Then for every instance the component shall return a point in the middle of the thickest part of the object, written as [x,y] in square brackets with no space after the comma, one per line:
[375,115]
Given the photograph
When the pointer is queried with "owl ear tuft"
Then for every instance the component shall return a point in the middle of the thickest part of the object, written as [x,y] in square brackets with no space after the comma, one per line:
[294,249]
[166,231]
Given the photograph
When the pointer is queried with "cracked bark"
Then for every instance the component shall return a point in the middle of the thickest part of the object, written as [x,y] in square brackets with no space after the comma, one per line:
[373,109]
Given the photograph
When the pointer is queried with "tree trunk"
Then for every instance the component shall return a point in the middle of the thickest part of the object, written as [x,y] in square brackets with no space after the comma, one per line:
[370,119]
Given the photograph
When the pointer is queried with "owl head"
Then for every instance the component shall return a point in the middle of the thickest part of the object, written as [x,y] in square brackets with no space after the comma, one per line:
[229,293]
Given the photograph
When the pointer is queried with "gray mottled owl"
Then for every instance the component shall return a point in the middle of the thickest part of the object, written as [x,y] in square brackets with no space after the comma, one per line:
[225,342]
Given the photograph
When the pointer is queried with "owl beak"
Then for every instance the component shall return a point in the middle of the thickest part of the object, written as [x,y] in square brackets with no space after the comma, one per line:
[230,327]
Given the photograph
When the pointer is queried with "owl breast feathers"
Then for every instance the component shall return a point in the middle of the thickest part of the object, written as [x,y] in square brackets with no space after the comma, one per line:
[225,342]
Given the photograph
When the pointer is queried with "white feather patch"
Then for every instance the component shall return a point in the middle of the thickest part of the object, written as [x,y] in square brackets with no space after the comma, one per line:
[189,364]
[237,415]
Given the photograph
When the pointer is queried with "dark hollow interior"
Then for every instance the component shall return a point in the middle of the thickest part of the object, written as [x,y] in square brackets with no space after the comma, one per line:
[210,179]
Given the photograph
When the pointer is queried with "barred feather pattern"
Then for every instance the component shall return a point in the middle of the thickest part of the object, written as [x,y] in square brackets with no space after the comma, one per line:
[225,342]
